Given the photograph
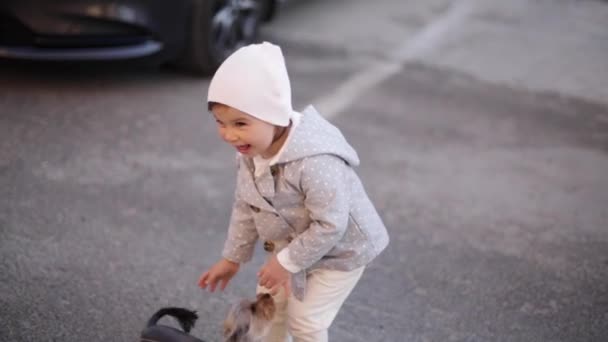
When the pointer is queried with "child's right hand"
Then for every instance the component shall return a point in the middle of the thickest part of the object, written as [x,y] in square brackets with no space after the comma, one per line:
[221,273]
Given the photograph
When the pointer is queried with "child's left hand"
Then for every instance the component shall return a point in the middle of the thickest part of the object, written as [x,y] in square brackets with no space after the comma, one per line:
[273,276]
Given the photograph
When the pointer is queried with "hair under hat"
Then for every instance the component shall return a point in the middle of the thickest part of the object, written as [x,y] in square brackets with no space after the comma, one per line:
[254,80]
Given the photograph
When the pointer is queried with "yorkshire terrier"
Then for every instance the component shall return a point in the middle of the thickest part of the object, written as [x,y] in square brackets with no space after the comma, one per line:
[247,321]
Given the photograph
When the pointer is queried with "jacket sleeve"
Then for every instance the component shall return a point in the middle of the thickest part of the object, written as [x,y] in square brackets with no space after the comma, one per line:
[325,183]
[242,234]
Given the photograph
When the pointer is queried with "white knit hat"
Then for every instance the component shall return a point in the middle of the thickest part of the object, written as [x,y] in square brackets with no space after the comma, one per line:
[254,80]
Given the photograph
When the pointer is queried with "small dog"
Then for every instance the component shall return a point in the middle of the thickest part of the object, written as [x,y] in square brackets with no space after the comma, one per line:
[154,332]
[247,321]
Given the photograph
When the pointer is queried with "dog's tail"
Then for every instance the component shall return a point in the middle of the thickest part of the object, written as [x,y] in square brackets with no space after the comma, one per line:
[184,317]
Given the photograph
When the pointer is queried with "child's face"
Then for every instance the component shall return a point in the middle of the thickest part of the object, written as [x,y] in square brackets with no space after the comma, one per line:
[249,135]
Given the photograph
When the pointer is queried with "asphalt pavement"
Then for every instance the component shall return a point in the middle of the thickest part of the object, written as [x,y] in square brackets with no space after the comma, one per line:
[495,201]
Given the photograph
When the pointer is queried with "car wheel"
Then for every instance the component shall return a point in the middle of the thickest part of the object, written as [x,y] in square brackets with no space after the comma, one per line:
[218,28]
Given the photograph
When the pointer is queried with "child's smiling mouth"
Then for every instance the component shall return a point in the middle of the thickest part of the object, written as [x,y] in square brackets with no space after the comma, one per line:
[243,148]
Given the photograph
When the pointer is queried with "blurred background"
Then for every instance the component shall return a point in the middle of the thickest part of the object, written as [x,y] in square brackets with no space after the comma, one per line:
[482,127]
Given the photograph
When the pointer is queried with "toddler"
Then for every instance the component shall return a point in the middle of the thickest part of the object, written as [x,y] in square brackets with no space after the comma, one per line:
[296,191]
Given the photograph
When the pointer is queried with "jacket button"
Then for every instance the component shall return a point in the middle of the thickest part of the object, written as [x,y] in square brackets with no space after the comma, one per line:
[268,246]
[289,239]
[254,208]
[274,170]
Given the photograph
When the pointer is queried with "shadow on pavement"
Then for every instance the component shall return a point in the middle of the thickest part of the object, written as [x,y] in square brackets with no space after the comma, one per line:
[19,73]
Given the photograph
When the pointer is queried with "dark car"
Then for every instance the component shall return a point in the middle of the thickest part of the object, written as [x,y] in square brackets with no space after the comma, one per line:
[194,34]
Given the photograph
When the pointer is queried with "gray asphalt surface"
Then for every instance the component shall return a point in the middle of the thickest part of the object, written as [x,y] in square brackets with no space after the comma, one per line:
[116,194]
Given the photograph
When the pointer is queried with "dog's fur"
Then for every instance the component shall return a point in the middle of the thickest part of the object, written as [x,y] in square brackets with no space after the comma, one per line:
[247,321]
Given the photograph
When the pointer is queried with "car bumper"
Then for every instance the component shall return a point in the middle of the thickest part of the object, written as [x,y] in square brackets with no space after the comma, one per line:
[90,29]
[82,54]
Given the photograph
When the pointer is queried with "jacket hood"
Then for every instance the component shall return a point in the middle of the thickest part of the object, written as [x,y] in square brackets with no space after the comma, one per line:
[254,80]
[315,135]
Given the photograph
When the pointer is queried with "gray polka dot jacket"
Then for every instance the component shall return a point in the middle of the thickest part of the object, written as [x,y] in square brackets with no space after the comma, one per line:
[311,202]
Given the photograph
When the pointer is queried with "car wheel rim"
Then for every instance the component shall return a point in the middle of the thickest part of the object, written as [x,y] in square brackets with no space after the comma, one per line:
[233,25]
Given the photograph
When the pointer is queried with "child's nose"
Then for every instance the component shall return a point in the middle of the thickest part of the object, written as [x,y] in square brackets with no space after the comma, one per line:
[229,136]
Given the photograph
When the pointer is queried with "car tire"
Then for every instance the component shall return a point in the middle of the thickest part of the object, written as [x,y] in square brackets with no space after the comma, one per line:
[218,28]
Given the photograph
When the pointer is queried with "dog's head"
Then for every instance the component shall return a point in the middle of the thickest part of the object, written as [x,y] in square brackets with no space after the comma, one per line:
[249,320]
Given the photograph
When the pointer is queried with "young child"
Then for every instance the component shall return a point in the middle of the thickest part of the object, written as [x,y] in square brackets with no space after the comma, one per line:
[297,191]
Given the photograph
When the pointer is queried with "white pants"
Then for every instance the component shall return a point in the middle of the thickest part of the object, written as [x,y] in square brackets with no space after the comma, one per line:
[309,320]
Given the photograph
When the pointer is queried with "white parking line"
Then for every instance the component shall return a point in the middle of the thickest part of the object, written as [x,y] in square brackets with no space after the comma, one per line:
[346,93]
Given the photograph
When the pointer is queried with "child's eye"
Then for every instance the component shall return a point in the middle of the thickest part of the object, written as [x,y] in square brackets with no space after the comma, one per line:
[240,124]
